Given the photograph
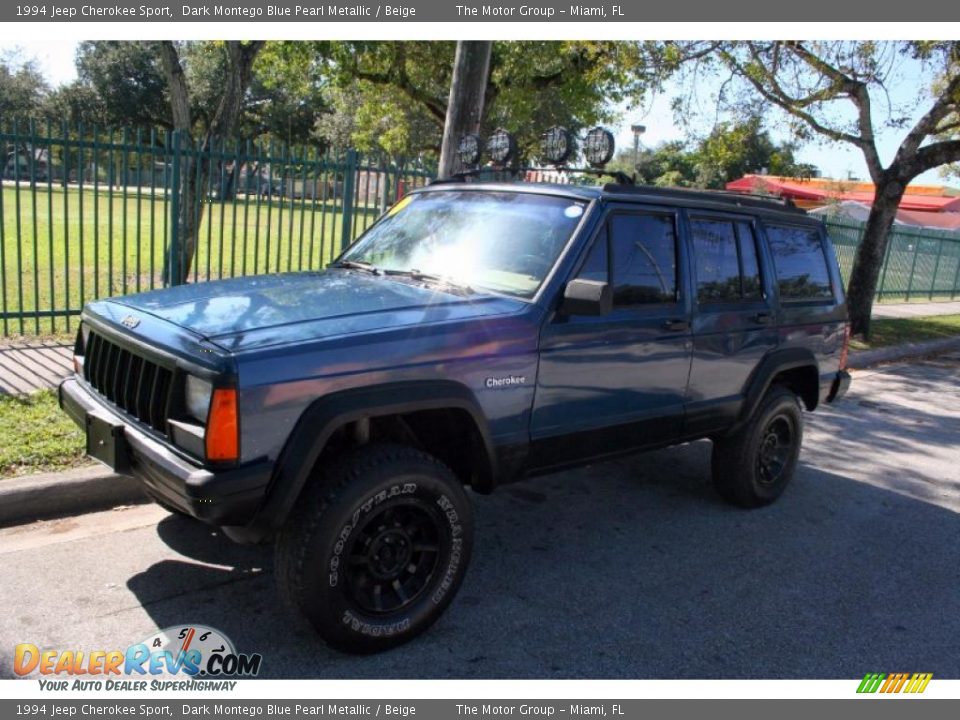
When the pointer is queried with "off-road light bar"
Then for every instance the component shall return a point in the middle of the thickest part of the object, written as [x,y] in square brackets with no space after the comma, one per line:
[598,147]
[501,147]
[468,151]
[556,144]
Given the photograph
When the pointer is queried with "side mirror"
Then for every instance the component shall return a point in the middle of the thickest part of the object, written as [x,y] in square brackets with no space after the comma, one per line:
[587,297]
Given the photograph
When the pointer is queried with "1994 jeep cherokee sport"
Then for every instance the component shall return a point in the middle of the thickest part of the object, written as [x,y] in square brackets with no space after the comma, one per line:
[476,334]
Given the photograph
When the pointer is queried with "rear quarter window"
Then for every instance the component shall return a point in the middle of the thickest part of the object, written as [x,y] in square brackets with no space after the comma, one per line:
[800,263]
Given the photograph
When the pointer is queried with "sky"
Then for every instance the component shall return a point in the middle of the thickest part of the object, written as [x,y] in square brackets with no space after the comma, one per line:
[836,160]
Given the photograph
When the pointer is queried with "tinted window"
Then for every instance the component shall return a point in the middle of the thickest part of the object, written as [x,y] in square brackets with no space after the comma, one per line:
[749,265]
[595,267]
[800,263]
[644,259]
[718,267]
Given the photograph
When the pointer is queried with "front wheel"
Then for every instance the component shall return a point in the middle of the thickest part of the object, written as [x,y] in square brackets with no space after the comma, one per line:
[753,466]
[376,548]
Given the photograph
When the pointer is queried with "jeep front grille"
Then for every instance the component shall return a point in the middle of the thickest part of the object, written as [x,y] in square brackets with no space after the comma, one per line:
[133,383]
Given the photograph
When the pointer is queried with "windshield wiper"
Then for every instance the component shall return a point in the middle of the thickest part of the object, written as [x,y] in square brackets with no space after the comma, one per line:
[358,265]
[415,274]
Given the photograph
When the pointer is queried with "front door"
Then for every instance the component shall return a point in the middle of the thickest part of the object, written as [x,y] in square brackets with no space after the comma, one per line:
[618,381]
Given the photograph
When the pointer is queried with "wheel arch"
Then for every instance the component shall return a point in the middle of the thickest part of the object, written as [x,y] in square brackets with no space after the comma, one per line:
[796,368]
[317,425]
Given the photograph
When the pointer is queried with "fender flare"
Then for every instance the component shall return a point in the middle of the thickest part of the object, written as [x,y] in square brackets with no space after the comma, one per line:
[322,417]
[773,363]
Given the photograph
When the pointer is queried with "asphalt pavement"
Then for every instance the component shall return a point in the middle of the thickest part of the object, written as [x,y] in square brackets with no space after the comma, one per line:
[626,569]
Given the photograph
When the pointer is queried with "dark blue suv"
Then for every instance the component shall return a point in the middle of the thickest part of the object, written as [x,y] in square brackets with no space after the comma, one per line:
[476,334]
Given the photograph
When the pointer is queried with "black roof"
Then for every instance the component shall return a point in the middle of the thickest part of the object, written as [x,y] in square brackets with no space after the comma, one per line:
[716,199]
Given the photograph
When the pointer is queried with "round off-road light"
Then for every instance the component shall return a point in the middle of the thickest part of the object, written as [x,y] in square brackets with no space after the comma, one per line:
[556,144]
[468,151]
[598,147]
[501,147]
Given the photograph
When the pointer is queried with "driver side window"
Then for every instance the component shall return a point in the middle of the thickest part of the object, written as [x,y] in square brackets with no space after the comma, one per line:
[643,250]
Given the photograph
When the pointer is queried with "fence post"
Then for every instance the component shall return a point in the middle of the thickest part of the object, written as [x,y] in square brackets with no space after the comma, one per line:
[886,261]
[173,251]
[936,268]
[349,177]
[913,266]
[956,279]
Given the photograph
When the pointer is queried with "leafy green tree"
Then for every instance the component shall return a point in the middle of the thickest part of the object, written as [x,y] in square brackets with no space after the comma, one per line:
[128,78]
[532,85]
[22,89]
[730,151]
[75,104]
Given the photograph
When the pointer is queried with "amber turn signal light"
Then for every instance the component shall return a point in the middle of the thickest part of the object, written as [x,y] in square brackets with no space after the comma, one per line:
[223,428]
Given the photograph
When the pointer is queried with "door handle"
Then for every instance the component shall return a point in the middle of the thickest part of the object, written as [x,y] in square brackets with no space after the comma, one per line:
[764,318]
[676,324]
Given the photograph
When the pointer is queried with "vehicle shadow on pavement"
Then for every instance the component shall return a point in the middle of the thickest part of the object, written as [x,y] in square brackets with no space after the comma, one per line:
[631,569]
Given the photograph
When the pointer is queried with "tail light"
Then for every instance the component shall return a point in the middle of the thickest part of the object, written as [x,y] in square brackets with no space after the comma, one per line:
[845,350]
[223,426]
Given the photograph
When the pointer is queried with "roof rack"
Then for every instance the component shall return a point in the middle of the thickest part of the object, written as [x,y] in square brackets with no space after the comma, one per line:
[621,178]
[716,195]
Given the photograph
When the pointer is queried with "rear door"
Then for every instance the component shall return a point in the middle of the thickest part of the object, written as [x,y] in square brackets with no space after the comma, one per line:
[617,382]
[734,323]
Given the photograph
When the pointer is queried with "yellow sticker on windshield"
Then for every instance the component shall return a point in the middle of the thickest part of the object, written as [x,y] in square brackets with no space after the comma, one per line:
[400,205]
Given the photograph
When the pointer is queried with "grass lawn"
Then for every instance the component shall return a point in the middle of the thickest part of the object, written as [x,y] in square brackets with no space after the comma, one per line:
[36,436]
[897,331]
[62,247]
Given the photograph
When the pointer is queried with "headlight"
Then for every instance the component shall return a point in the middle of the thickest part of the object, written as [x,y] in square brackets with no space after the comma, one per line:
[197,397]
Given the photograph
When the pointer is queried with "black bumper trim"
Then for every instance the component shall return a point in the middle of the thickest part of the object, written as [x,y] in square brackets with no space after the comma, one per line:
[227,497]
[840,386]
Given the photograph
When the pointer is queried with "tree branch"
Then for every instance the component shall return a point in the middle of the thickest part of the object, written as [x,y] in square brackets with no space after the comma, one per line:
[926,126]
[931,156]
[779,97]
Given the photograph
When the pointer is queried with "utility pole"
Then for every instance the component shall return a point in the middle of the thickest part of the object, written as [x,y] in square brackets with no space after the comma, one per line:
[638,130]
[471,66]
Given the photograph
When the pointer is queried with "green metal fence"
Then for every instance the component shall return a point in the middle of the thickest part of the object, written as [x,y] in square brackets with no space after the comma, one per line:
[920,263]
[89,213]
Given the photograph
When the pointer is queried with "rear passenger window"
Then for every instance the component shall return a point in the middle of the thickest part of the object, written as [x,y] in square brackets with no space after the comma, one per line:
[718,265]
[800,263]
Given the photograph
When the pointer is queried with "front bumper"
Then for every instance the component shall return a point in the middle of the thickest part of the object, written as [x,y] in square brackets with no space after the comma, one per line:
[227,497]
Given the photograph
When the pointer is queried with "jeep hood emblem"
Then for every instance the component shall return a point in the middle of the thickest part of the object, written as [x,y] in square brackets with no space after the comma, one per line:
[130,321]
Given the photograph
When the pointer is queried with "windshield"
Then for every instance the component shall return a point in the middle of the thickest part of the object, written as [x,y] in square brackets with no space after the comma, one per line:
[505,242]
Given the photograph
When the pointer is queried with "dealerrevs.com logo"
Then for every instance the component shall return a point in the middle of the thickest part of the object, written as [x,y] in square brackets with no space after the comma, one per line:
[184,657]
[887,683]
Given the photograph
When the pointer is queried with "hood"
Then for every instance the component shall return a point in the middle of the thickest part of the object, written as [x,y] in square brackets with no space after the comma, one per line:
[264,310]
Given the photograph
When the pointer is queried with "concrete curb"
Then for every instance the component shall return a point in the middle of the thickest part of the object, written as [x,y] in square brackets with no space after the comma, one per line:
[72,492]
[866,358]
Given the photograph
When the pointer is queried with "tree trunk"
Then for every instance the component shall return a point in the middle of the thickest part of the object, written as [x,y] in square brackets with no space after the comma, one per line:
[471,65]
[870,255]
[195,180]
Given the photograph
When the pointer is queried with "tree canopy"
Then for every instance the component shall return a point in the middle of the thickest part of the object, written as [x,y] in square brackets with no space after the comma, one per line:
[731,150]
[392,96]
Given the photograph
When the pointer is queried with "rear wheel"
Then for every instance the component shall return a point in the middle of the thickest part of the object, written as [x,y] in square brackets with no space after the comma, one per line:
[753,466]
[376,549]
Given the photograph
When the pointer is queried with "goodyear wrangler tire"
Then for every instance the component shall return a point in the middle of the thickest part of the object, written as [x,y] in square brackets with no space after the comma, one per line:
[753,466]
[376,549]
